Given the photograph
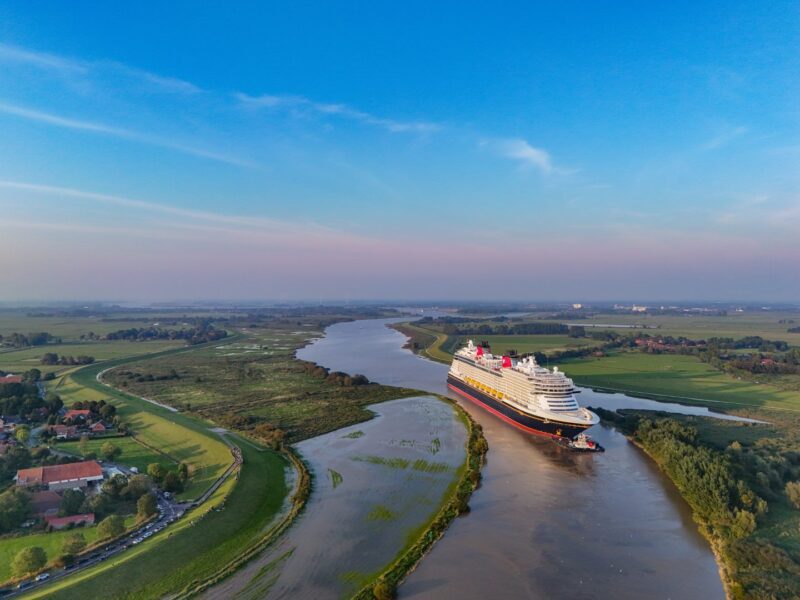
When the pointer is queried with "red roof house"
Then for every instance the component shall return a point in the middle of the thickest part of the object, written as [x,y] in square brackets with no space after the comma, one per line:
[62,477]
[98,428]
[74,414]
[11,379]
[61,522]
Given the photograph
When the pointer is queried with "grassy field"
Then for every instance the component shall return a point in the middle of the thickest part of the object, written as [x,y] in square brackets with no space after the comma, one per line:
[50,542]
[134,454]
[440,347]
[194,547]
[735,325]
[16,361]
[253,380]
[180,437]
[72,327]
[669,376]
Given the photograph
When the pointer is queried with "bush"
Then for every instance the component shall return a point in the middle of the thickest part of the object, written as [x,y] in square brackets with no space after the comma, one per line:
[111,527]
[793,493]
[29,560]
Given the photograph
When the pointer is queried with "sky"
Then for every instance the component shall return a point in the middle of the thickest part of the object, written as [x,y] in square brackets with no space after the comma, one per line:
[366,150]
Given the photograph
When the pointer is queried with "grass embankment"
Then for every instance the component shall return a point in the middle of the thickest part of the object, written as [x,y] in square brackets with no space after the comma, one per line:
[733,476]
[455,501]
[256,380]
[194,548]
[133,453]
[424,341]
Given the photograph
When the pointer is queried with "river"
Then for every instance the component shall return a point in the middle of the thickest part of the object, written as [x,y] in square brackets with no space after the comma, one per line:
[545,522]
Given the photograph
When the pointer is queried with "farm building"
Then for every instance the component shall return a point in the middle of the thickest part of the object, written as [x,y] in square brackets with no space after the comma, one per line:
[62,522]
[62,477]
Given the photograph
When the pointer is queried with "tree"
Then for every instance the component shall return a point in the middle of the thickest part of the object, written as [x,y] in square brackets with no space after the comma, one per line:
[183,472]
[156,472]
[137,485]
[383,590]
[146,506]
[83,445]
[793,493]
[71,502]
[15,507]
[111,527]
[73,544]
[28,560]
[114,485]
[172,483]
[110,451]
[23,434]
[49,358]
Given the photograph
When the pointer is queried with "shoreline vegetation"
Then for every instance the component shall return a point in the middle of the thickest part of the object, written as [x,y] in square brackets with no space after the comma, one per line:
[455,502]
[735,495]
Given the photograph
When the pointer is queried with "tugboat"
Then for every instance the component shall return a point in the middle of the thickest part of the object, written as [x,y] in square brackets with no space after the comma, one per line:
[583,443]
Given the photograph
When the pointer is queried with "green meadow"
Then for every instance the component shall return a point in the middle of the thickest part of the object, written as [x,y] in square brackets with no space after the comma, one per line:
[679,377]
[134,453]
[23,359]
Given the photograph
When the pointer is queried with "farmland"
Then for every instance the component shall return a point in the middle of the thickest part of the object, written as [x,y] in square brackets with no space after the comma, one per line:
[17,361]
[670,376]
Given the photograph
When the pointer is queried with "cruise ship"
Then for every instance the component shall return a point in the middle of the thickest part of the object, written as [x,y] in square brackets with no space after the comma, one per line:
[521,392]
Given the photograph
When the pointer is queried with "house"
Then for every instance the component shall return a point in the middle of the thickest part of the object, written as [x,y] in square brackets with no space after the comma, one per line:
[9,423]
[64,432]
[45,503]
[98,428]
[61,477]
[62,522]
[77,414]
[10,379]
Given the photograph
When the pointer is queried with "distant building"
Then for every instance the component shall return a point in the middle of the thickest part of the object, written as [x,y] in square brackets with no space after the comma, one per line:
[577,306]
[98,427]
[62,477]
[64,432]
[9,423]
[77,415]
[62,522]
[640,309]
[10,379]
[45,503]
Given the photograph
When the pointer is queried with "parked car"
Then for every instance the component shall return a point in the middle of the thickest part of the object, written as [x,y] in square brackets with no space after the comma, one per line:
[42,576]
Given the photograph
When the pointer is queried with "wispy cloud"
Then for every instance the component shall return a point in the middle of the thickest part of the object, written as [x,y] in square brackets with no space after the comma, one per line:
[302,103]
[120,132]
[724,138]
[71,67]
[521,151]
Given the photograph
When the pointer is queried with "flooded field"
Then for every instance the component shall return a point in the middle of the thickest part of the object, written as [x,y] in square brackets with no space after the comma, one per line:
[375,485]
[546,522]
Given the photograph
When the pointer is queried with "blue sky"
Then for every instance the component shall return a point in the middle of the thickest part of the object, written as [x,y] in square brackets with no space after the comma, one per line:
[419,150]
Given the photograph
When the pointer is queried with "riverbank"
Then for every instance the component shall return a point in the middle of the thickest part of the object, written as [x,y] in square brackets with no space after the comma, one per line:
[455,502]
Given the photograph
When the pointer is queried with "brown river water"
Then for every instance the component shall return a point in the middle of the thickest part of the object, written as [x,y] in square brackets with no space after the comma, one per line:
[546,522]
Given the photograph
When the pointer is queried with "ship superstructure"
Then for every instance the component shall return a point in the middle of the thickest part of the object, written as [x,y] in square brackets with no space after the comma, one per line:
[532,397]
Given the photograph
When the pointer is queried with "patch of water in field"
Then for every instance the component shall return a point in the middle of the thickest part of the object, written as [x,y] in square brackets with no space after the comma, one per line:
[546,522]
[375,483]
